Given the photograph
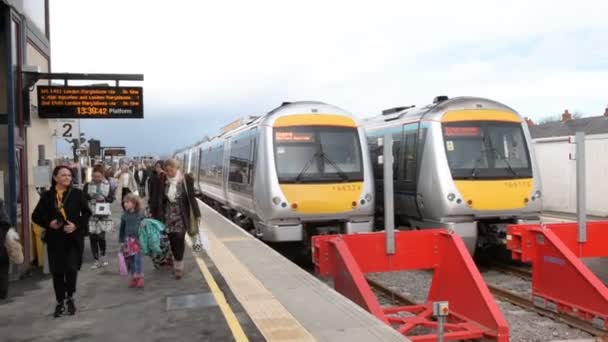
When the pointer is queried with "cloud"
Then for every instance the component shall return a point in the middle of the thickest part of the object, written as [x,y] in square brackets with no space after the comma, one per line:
[205,62]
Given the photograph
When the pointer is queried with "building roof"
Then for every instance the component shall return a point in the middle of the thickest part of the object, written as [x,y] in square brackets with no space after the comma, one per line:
[588,125]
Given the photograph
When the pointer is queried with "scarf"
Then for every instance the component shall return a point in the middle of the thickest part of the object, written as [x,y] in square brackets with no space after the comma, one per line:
[61,202]
[173,184]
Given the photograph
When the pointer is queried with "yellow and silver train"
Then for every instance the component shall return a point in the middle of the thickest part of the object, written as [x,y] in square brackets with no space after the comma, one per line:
[466,164]
[300,170]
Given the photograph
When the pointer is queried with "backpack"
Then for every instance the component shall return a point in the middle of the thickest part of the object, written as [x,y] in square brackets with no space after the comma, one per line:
[150,235]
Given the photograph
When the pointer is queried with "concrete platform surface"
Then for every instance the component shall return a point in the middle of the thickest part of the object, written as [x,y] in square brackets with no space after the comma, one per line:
[286,302]
[165,310]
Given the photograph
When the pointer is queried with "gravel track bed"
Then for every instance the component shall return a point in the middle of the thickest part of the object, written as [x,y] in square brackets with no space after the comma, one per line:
[525,326]
[515,284]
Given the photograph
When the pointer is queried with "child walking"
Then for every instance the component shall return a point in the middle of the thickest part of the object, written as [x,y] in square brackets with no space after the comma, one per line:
[129,238]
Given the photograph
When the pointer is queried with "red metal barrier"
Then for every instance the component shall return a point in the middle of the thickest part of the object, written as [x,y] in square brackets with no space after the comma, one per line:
[473,311]
[561,282]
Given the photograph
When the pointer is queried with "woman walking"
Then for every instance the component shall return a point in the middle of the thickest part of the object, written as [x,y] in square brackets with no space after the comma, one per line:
[156,190]
[181,212]
[99,194]
[126,183]
[63,212]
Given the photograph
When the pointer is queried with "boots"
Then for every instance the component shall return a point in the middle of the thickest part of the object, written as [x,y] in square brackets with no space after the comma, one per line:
[178,269]
[140,283]
[71,306]
[59,310]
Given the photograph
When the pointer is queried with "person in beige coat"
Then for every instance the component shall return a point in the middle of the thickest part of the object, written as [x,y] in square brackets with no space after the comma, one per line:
[125,183]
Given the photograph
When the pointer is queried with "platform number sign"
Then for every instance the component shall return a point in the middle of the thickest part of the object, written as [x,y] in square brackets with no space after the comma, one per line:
[68,129]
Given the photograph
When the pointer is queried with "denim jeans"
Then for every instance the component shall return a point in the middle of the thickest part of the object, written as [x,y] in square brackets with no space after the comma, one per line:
[134,263]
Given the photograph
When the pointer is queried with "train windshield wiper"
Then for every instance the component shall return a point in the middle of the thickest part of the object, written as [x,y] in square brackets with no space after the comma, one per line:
[510,167]
[339,171]
[307,165]
[473,173]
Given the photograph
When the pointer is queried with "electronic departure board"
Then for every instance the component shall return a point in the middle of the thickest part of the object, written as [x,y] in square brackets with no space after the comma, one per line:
[71,102]
[114,151]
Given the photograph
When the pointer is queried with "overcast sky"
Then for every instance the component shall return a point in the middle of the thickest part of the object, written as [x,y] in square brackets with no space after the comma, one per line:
[209,62]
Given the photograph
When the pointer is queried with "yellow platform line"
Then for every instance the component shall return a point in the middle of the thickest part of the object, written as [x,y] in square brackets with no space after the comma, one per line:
[273,320]
[233,322]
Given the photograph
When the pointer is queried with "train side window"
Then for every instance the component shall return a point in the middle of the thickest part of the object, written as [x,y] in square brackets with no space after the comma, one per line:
[200,165]
[240,150]
[422,132]
[209,164]
[252,153]
[396,154]
[375,151]
[219,164]
[408,163]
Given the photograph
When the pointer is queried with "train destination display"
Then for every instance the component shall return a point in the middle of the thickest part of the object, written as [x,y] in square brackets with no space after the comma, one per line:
[72,102]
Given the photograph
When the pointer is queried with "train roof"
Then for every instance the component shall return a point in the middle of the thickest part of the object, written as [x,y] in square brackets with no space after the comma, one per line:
[286,108]
[301,107]
[435,110]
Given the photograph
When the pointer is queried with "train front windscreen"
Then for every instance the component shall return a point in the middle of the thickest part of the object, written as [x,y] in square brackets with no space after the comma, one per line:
[486,150]
[318,154]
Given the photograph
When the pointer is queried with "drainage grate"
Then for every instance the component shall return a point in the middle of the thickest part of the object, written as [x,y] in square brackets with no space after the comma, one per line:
[190,301]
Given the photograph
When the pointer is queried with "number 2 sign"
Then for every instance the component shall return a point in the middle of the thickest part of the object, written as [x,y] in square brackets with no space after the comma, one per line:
[68,129]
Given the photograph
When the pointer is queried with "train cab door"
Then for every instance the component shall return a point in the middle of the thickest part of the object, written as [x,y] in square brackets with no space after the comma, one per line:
[406,174]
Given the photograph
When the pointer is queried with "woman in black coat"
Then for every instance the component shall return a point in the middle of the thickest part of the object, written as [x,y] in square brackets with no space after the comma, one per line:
[156,191]
[4,261]
[63,212]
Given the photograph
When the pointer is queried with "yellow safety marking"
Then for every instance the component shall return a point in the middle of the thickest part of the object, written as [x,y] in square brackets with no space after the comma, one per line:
[273,320]
[220,299]
[314,120]
[480,115]
[496,194]
[323,198]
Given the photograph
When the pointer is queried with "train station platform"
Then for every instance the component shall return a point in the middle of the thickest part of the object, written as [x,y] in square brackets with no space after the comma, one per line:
[165,310]
[238,290]
[285,302]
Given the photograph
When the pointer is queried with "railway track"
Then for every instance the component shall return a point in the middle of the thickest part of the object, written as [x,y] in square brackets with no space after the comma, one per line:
[395,296]
[518,271]
[527,304]
[508,296]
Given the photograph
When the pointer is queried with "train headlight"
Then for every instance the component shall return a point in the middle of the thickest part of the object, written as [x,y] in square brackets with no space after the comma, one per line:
[369,197]
[451,197]
[537,194]
[276,200]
